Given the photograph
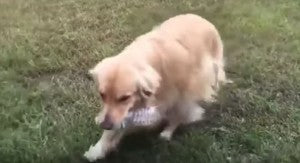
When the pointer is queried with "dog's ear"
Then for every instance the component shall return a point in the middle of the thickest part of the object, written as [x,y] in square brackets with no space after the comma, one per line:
[149,81]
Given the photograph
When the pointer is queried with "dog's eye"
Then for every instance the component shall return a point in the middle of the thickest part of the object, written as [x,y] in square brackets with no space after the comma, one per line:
[147,93]
[124,98]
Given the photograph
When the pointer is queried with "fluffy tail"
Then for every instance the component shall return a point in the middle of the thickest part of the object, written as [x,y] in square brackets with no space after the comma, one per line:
[220,75]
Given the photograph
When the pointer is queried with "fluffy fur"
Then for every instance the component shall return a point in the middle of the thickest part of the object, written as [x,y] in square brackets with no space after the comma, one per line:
[174,66]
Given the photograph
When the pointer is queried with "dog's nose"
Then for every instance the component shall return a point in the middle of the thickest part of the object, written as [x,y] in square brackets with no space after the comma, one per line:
[107,123]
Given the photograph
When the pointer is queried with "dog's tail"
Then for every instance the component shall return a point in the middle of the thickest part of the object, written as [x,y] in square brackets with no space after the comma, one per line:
[218,65]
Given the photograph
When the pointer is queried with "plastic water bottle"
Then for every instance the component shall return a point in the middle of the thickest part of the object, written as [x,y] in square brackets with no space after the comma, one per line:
[142,117]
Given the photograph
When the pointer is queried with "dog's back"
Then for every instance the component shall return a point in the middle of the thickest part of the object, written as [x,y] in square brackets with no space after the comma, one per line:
[190,50]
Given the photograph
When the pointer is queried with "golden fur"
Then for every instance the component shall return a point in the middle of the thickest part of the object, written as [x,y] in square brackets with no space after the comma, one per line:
[174,66]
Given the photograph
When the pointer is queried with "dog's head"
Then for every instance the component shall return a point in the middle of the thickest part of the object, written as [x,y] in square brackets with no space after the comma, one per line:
[122,86]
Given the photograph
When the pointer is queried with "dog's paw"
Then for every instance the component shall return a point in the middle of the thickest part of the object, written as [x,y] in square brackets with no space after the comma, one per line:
[166,135]
[228,81]
[94,154]
[212,99]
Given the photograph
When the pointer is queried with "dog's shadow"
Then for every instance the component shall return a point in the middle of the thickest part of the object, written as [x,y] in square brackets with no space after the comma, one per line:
[149,139]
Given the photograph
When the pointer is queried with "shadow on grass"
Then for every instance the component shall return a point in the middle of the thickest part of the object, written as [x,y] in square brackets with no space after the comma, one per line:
[146,143]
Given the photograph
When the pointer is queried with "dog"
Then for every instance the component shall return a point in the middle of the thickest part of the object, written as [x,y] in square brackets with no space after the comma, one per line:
[173,67]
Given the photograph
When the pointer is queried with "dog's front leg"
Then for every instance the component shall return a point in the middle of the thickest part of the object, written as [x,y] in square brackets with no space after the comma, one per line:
[108,142]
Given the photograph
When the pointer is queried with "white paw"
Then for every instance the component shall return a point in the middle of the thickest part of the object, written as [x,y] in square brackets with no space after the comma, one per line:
[211,99]
[166,135]
[94,154]
[228,81]
[195,114]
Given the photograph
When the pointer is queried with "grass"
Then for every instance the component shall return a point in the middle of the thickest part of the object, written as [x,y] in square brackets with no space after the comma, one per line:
[47,103]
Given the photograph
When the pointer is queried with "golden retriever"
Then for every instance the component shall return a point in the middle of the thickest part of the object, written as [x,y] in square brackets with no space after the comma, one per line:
[173,67]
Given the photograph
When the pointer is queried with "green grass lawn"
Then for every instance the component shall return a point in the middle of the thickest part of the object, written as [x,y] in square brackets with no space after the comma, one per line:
[48,104]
